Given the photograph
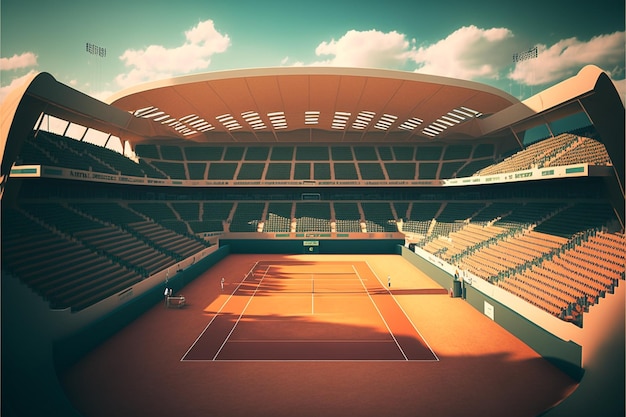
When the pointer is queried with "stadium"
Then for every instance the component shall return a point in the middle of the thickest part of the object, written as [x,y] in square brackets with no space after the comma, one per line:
[331,241]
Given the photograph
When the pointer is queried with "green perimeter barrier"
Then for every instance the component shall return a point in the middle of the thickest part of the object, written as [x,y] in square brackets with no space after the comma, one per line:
[313,246]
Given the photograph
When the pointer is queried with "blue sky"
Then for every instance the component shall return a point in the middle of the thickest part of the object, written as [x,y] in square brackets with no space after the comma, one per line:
[146,41]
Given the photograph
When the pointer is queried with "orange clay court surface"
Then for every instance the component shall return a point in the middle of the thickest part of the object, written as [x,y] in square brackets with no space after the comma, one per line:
[314,335]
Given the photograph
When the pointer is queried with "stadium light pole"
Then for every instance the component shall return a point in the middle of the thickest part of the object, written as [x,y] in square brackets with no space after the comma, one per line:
[525,56]
[98,52]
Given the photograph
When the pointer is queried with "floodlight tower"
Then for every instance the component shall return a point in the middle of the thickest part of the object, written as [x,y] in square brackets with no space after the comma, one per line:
[525,56]
[100,53]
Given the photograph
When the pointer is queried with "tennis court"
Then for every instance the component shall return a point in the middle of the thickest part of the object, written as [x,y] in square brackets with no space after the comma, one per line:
[164,363]
[298,311]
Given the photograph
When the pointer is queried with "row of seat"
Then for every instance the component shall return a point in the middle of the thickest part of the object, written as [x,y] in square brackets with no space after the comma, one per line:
[340,162]
[564,275]
[315,152]
[587,150]
[581,280]
[563,149]
[427,219]
[77,254]
[319,171]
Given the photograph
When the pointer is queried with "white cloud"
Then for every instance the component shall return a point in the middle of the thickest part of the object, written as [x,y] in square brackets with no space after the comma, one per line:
[25,60]
[286,61]
[158,62]
[566,57]
[17,63]
[16,82]
[467,53]
[373,49]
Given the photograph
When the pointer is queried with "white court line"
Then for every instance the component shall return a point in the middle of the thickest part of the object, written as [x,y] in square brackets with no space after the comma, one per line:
[277,341]
[240,316]
[403,311]
[315,360]
[219,311]
[380,314]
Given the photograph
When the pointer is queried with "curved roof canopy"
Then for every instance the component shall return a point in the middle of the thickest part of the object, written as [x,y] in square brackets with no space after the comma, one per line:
[316,105]
[313,104]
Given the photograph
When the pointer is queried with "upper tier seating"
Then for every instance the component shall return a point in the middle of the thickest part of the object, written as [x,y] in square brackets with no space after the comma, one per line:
[247,216]
[312,216]
[278,217]
[379,217]
[564,149]
[307,162]
[56,150]
[302,162]
[587,150]
[347,216]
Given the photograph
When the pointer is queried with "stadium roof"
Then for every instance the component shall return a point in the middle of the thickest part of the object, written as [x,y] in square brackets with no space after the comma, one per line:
[304,104]
[307,104]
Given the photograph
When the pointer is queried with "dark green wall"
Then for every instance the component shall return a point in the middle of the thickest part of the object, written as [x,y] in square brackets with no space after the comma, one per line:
[328,246]
[566,355]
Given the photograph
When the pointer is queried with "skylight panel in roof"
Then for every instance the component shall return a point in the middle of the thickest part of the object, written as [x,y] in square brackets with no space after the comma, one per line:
[442,123]
[475,113]
[432,130]
[228,121]
[153,114]
[224,117]
[311,117]
[161,118]
[455,116]
[464,113]
[411,124]
[198,122]
[385,121]
[340,120]
[278,119]
[145,110]
[188,118]
[186,125]
[363,119]
[450,119]
[254,120]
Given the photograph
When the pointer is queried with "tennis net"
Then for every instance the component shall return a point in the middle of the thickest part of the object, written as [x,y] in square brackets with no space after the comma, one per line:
[314,284]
